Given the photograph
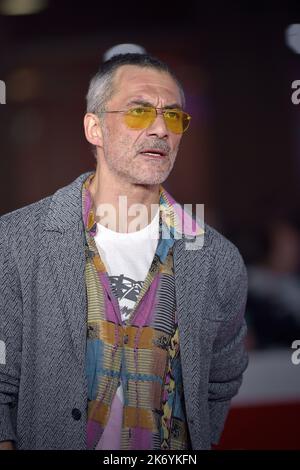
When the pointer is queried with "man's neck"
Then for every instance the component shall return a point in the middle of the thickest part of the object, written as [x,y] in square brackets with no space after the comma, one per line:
[110,193]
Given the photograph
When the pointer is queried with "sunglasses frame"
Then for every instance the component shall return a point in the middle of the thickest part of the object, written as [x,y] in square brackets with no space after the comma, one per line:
[163,110]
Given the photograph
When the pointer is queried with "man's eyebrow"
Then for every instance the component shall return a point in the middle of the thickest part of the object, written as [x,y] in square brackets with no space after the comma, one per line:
[147,103]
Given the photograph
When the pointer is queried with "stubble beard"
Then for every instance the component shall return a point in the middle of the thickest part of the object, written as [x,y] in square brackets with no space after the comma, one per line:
[133,168]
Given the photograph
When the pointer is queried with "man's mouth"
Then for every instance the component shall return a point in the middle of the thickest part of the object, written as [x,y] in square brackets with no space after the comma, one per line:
[154,153]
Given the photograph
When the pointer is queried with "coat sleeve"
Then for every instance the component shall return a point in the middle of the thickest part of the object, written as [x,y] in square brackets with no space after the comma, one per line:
[10,336]
[229,358]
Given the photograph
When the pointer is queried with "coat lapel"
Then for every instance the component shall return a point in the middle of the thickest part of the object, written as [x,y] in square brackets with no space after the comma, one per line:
[65,245]
[187,278]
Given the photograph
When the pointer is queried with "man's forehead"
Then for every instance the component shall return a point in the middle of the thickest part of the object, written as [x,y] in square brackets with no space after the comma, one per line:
[133,79]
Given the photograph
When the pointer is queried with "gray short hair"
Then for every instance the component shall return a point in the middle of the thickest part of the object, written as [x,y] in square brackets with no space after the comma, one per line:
[101,85]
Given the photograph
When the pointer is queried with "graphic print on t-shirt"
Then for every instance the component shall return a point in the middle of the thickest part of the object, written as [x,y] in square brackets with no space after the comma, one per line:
[126,290]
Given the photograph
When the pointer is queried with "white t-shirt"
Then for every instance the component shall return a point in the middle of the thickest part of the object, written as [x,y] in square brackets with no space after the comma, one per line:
[127,258]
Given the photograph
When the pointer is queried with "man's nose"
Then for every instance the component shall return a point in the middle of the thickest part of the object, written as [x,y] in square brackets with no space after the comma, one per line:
[158,127]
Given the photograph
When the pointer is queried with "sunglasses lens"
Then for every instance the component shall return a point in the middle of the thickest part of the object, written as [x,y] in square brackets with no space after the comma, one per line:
[176,120]
[173,120]
[140,118]
[186,119]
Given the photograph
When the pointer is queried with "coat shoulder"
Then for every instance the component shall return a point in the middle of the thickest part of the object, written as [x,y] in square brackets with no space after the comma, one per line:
[25,220]
[227,264]
[221,248]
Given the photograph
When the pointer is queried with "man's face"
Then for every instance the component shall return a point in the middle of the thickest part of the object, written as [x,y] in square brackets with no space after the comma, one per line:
[124,149]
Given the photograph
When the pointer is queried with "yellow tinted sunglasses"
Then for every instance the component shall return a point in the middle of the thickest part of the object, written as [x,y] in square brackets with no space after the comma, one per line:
[141,117]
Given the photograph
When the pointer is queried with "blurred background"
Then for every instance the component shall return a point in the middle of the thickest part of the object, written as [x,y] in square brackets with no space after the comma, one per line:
[241,156]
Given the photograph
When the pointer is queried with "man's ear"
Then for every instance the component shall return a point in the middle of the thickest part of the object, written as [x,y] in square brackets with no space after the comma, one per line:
[92,129]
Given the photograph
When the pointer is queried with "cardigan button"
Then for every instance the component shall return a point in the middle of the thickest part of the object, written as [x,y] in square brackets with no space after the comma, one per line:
[76,414]
[126,339]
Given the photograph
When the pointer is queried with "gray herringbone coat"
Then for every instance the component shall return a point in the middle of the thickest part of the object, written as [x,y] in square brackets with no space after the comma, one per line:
[43,388]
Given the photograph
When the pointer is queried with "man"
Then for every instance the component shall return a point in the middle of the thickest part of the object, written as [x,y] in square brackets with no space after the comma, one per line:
[116,336]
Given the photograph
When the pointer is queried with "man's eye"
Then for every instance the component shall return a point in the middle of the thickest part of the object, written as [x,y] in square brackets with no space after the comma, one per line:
[137,111]
[174,115]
